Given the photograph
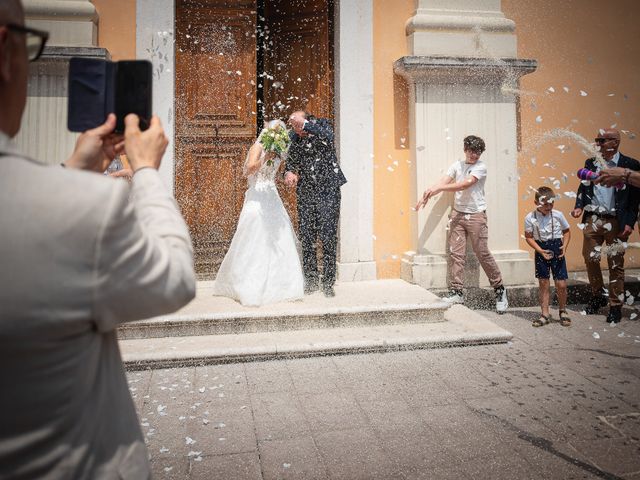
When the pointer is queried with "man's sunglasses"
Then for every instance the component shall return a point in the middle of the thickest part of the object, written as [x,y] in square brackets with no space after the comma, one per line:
[603,139]
[36,39]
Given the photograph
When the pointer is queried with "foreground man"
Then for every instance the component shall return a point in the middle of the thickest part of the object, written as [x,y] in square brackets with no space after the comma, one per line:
[78,258]
[608,214]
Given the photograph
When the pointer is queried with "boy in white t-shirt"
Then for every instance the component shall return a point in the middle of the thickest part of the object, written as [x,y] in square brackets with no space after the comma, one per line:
[468,219]
[547,232]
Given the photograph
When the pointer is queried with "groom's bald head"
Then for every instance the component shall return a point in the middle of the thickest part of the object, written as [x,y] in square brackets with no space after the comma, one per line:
[11,12]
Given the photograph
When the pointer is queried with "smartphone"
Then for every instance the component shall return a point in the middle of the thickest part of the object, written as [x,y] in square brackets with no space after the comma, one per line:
[133,92]
[99,87]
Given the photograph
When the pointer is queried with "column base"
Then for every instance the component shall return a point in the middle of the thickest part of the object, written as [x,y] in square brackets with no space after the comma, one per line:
[356,271]
[430,270]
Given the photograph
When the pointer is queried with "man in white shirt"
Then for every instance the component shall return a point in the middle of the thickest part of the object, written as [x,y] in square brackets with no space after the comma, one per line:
[468,219]
[80,254]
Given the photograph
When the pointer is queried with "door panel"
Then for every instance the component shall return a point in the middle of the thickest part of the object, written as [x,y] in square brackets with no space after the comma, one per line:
[299,66]
[215,119]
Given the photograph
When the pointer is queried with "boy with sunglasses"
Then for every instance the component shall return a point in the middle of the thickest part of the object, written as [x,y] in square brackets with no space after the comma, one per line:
[547,231]
[608,214]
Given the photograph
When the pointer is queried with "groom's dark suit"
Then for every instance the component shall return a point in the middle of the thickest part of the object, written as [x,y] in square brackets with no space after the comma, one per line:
[313,159]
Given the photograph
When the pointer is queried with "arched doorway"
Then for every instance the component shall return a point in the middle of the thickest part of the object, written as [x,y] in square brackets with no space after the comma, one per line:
[239,62]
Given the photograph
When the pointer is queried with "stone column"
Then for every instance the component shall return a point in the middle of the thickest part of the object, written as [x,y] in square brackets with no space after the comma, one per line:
[155,21]
[72,26]
[463,75]
[354,141]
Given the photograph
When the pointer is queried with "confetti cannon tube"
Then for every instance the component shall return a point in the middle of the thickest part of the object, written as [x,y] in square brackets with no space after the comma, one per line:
[586,174]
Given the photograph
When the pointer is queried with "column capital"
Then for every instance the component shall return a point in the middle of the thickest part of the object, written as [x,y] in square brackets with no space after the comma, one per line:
[454,70]
[466,28]
[69,22]
[61,10]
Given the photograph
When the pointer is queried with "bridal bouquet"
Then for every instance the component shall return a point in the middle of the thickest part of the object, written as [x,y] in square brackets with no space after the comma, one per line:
[274,140]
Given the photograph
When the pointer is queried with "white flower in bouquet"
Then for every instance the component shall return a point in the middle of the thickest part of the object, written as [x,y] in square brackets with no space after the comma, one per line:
[275,140]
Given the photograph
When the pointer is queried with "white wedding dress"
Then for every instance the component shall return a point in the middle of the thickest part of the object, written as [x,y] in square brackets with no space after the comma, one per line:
[262,265]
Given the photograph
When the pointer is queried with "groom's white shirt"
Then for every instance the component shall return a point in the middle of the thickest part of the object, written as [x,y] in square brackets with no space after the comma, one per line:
[80,253]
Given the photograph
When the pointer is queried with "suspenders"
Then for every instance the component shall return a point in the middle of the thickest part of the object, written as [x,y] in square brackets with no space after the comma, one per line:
[537,226]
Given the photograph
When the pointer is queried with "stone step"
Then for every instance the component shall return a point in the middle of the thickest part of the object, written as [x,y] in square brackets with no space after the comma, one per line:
[460,326]
[247,322]
[356,304]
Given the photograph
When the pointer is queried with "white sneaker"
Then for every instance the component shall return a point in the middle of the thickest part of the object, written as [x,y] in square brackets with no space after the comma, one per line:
[502,303]
[453,296]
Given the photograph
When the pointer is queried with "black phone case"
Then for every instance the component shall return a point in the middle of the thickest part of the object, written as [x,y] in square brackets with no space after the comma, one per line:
[93,93]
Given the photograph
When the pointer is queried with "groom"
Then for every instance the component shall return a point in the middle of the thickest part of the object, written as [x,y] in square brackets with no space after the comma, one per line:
[313,167]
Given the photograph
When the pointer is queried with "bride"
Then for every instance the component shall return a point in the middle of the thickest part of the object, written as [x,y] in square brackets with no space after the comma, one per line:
[262,264]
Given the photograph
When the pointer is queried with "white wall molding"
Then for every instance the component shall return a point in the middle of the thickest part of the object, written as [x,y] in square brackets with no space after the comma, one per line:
[155,21]
[61,10]
[467,28]
[354,143]
[69,22]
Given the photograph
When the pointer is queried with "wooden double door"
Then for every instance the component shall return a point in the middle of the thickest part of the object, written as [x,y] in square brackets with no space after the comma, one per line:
[240,63]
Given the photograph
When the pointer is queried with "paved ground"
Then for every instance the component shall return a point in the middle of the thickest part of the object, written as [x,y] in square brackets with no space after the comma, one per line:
[554,403]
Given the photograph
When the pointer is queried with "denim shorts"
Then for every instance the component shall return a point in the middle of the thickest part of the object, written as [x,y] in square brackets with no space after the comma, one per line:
[557,266]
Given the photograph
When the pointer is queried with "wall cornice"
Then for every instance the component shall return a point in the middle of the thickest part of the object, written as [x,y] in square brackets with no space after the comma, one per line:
[445,70]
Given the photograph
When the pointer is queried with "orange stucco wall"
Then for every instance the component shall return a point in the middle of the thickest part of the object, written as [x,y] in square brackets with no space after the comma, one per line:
[579,45]
[584,47]
[117,27]
[392,172]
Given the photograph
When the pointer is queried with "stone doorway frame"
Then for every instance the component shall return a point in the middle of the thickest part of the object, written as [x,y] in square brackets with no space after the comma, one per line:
[353,106]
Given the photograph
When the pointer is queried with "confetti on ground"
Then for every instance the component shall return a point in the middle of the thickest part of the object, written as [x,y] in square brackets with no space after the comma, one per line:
[189,440]
[596,335]
[583,93]
[539,119]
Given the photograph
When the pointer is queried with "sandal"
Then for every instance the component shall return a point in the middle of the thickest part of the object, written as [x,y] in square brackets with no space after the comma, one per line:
[565,321]
[543,320]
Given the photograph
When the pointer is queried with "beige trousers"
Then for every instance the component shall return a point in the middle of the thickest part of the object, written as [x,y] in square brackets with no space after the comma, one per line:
[474,226]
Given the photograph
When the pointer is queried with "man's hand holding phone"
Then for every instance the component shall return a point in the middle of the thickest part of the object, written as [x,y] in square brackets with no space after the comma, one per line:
[96,148]
[144,149]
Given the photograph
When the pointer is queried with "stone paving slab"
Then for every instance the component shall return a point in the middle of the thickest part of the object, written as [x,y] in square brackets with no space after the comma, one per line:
[553,403]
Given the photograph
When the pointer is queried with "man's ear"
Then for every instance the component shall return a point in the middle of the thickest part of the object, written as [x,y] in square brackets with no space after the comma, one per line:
[5,64]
